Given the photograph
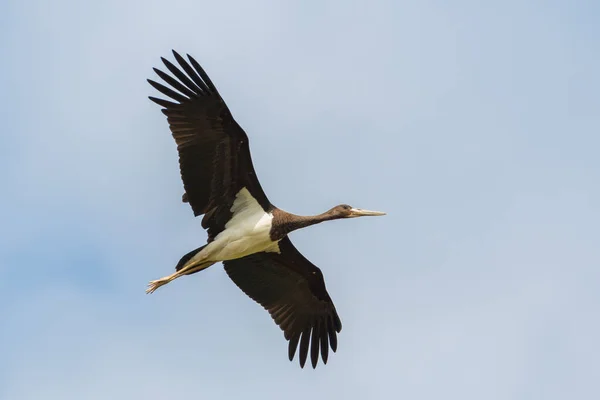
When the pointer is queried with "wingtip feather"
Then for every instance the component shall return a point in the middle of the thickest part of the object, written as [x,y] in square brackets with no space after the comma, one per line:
[304,342]
[293,345]
[314,345]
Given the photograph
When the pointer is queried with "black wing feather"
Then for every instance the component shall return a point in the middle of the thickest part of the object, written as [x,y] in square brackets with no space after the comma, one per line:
[182,77]
[167,92]
[293,291]
[174,82]
[214,155]
[191,73]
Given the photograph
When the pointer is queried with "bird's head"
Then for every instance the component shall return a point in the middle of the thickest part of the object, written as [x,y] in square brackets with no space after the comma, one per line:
[346,211]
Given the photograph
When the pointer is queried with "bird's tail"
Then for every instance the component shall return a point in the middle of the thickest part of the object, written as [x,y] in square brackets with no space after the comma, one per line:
[187,258]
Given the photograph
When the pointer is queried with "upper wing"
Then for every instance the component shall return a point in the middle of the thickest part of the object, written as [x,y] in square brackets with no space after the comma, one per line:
[293,291]
[214,156]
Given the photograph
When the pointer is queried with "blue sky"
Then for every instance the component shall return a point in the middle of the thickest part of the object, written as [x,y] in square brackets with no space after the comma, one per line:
[475,126]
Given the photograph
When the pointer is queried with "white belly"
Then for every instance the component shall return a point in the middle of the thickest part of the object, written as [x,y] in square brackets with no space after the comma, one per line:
[247,232]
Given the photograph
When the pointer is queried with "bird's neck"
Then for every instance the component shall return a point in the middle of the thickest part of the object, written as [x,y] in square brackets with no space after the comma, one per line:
[284,222]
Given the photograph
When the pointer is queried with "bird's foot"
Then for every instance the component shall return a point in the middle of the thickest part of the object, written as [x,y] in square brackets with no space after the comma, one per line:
[153,285]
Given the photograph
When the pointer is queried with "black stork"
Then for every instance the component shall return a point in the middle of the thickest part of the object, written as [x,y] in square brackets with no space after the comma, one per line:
[245,231]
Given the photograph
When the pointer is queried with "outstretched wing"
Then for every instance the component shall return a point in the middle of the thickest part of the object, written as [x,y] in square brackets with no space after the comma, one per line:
[293,291]
[214,156]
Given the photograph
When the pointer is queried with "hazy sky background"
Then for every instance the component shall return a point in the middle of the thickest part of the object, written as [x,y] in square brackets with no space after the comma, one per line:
[475,125]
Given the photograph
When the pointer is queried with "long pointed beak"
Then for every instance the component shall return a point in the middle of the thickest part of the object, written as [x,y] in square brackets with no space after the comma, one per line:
[358,212]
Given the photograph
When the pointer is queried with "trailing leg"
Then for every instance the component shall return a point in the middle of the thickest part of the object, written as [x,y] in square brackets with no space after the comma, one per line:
[187,270]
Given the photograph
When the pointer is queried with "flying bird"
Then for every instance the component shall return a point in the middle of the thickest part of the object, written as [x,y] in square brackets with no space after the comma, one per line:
[245,231]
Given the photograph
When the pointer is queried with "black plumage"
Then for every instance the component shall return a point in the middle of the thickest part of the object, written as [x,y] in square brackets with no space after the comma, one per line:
[214,156]
[293,291]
